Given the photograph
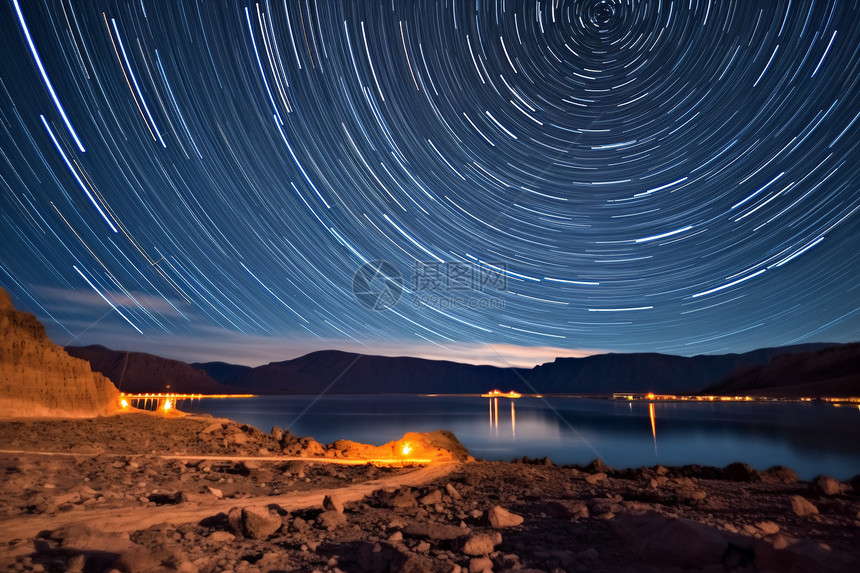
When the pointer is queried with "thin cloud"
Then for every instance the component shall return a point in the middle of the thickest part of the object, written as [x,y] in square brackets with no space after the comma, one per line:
[80,301]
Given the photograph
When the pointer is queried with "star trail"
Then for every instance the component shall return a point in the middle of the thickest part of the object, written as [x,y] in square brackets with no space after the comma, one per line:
[204,180]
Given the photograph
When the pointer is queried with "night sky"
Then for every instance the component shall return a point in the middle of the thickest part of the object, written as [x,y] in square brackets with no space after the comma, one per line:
[204,180]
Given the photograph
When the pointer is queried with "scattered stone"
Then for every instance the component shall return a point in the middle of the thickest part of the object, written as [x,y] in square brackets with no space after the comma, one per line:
[501,517]
[219,536]
[742,472]
[277,433]
[779,474]
[331,519]
[258,522]
[597,466]
[595,479]
[768,527]
[332,504]
[826,485]
[482,543]
[431,498]
[452,491]
[480,565]
[404,499]
[370,537]
[658,482]
[802,507]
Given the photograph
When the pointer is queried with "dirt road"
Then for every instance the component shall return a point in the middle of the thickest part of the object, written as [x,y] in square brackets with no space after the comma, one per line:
[134,518]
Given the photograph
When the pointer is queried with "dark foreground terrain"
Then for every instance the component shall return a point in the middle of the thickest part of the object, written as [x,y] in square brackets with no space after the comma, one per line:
[232,499]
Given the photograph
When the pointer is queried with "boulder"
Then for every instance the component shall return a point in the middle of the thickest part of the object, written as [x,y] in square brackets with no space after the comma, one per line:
[595,479]
[311,448]
[258,522]
[501,517]
[331,519]
[480,565]
[332,504]
[452,491]
[802,507]
[277,433]
[404,499]
[220,537]
[431,498]
[482,543]
[828,486]
[663,540]
[768,527]
[779,474]
[597,466]
[739,471]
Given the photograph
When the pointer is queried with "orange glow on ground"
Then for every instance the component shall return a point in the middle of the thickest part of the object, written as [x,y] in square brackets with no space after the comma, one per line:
[406,449]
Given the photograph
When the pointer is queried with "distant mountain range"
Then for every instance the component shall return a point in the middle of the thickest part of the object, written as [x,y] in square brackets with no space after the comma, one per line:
[138,372]
[833,371]
[349,373]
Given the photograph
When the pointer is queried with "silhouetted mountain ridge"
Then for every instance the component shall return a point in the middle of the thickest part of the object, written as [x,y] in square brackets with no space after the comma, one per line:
[650,372]
[134,372]
[221,372]
[833,371]
[340,372]
[349,373]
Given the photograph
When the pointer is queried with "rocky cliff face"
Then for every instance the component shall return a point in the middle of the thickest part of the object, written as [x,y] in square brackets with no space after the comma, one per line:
[38,378]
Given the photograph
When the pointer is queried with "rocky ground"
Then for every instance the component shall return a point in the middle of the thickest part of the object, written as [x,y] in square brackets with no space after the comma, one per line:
[115,502]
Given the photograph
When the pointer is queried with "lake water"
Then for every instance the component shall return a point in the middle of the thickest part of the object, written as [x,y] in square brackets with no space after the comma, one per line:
[811,438]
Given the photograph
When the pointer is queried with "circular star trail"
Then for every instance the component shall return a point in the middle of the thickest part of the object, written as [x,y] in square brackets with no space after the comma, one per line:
[676,176]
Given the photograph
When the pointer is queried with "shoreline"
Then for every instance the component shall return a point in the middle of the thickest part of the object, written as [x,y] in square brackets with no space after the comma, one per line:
[617,396]
[145,492]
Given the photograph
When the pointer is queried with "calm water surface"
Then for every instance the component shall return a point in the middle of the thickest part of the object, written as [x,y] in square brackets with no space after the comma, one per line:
[812,439]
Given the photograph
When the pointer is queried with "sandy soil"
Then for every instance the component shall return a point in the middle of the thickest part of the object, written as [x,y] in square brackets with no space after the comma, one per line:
[145,493]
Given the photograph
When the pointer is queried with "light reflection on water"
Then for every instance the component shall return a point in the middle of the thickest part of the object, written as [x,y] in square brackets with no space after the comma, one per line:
[812,439]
